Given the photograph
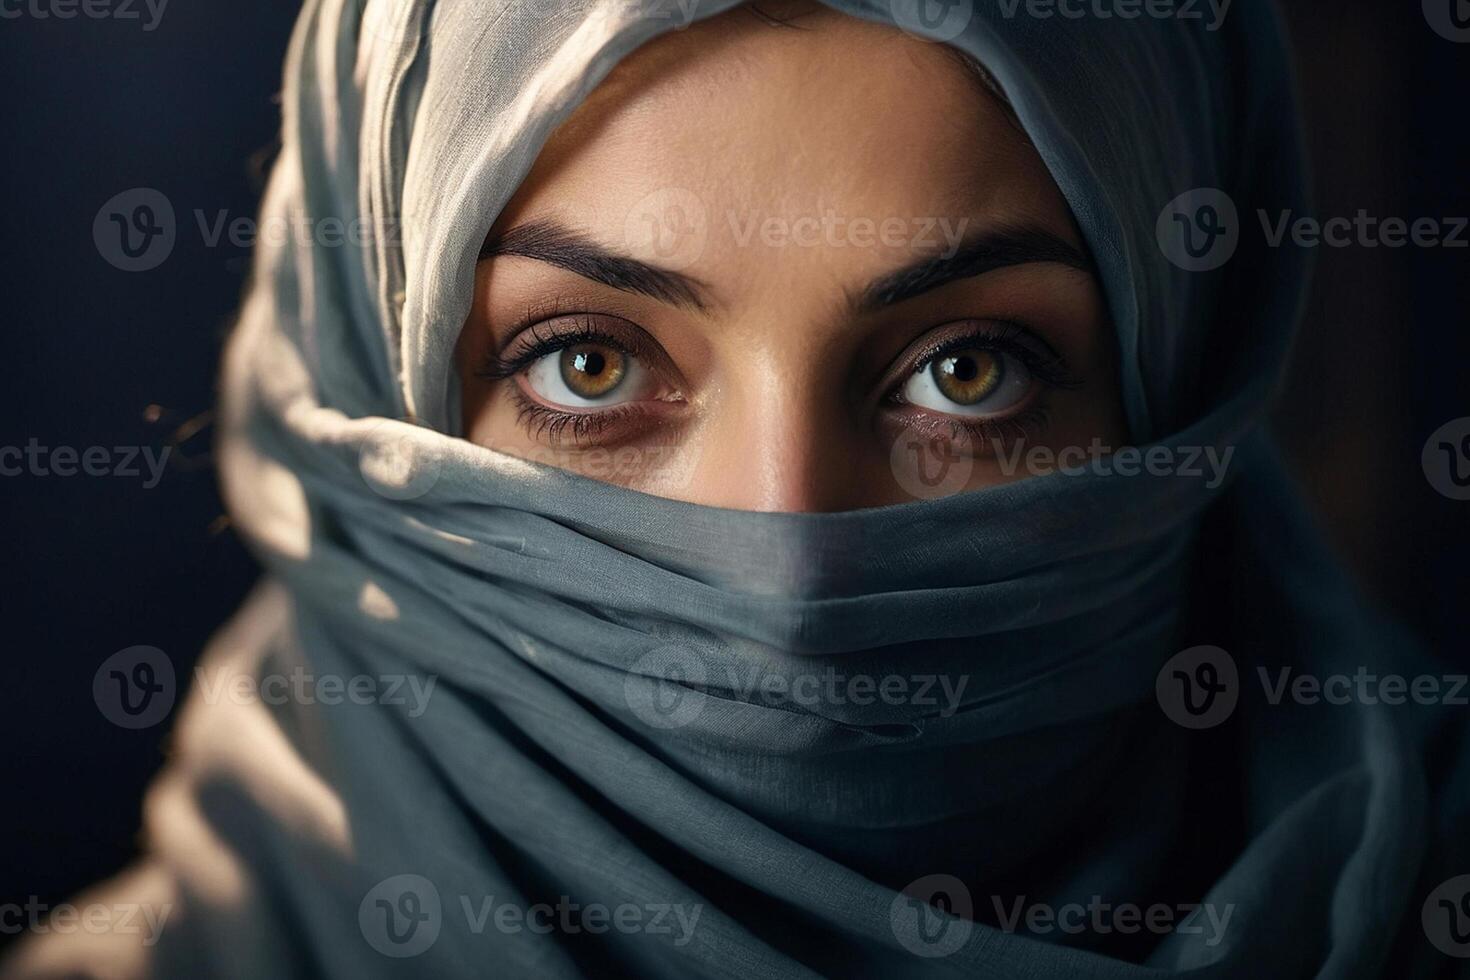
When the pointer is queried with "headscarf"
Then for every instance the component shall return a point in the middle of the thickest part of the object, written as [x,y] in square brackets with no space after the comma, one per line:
[590,741]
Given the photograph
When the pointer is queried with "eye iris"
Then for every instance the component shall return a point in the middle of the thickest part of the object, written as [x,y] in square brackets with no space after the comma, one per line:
[592,370]
[965,377]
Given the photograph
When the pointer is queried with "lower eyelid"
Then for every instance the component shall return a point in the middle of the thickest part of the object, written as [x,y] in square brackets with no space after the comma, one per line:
[1007,337]
[653,393]
[986,434]
[552,424]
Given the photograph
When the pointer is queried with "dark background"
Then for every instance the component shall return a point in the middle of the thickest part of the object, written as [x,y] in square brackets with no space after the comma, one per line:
[93,356]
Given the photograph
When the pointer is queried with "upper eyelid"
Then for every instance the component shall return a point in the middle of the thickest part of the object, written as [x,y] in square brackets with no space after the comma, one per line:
[582,333]
[637,343]
[1004,335]
[981,339]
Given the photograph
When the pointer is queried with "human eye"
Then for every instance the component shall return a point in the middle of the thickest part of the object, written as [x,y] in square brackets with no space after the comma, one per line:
[979,377]
[586,374]
[579,376]
[973,381]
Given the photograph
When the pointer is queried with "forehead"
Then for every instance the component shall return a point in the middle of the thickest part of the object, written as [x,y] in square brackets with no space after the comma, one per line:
[762,125]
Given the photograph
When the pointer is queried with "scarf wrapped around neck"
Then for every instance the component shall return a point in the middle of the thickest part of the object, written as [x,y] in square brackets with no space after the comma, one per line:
[610,701]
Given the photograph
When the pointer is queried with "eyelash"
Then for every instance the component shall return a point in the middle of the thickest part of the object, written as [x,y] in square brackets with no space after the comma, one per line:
[541,420]
[498,366]
[1003,336]
[553,424]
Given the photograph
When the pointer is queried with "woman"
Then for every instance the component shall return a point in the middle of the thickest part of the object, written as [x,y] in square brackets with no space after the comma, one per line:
[832,533]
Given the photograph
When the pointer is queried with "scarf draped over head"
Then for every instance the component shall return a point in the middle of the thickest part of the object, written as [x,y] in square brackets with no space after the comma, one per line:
[609,700]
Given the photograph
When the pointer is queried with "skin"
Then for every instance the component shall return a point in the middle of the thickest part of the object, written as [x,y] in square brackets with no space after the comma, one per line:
[768,384]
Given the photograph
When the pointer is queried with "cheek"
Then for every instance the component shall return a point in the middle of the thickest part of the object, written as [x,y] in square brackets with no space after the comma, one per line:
[475,392]
[1096,409]
[665,463]
[479,424]
[1094,412]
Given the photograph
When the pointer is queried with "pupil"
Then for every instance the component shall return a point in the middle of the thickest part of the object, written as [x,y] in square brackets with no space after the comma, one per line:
[589,362]
[965,369]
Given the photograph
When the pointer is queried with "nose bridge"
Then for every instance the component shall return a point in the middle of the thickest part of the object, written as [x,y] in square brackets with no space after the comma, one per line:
[781,442]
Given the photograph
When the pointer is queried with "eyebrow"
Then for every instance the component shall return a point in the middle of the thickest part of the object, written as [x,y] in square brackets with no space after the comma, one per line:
[976,255]
[550,242]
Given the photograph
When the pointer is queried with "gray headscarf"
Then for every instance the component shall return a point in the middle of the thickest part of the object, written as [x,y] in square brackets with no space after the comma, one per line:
[589,739]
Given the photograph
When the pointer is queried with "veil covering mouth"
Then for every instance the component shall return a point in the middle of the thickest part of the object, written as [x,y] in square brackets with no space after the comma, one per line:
[590,733]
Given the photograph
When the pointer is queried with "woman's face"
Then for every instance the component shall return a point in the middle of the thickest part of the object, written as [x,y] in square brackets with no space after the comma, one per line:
[788,268]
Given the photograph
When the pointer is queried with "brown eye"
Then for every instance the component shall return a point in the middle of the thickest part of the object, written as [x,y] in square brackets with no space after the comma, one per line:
[592,370]
[588,374]
[968,376]
[972,381]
